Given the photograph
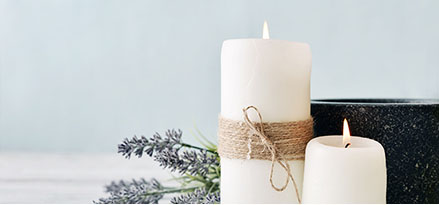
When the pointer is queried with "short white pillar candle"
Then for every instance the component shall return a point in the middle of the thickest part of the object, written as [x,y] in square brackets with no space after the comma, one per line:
[335,174]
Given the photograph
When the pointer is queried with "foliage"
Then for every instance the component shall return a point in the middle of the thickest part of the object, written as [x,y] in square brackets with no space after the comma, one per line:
[198,166]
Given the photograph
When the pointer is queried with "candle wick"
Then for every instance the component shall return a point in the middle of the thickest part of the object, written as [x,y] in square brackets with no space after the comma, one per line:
[347,145]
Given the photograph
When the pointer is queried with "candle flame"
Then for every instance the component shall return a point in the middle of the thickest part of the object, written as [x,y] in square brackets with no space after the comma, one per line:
[346,134]
[265,33]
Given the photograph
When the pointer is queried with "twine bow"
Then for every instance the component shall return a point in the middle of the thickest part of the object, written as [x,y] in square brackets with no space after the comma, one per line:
[276,157]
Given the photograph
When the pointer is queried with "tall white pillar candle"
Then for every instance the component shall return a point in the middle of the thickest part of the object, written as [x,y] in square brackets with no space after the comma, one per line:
[336,175]
[274,76]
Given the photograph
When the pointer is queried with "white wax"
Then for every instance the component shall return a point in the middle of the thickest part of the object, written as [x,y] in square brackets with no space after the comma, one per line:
[334,174]
[274,76]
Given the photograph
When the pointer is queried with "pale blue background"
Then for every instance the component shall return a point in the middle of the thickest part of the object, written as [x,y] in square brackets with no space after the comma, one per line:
[82,75]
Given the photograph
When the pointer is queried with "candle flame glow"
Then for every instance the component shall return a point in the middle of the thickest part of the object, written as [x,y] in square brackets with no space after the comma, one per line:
[265,33]
[346,134]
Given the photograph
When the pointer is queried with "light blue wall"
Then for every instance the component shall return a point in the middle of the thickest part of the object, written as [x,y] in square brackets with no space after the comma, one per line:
[81,75]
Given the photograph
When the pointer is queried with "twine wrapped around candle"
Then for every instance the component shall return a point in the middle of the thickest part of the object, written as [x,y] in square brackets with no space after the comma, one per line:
[274,141]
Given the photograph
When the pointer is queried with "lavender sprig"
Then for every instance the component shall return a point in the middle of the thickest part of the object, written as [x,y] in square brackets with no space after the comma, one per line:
[121,184]
[198,196]
[199,167]
[134,192]
[167,151]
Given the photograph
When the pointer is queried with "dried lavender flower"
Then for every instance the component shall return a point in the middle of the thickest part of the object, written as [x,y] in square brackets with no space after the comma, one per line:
[198,196]
[156,143]
[134,192]
[191,162]
[167,151]
[213,198]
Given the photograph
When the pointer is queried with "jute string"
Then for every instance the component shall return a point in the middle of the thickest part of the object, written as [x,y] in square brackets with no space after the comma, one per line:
[275,141]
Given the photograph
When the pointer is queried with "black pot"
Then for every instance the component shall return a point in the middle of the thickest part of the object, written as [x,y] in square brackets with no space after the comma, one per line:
[408,129]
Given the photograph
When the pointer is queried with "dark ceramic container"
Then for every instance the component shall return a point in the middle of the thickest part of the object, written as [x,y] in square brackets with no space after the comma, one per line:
[408,129]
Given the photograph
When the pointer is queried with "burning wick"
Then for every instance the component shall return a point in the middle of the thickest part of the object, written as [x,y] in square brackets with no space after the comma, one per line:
[265,33]
[346,134]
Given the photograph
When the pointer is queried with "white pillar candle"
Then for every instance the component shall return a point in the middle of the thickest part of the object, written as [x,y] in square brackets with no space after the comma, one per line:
[274,76]
[335,174]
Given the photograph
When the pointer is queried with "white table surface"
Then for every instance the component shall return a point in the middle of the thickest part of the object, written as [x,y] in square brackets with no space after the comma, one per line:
[67,178]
